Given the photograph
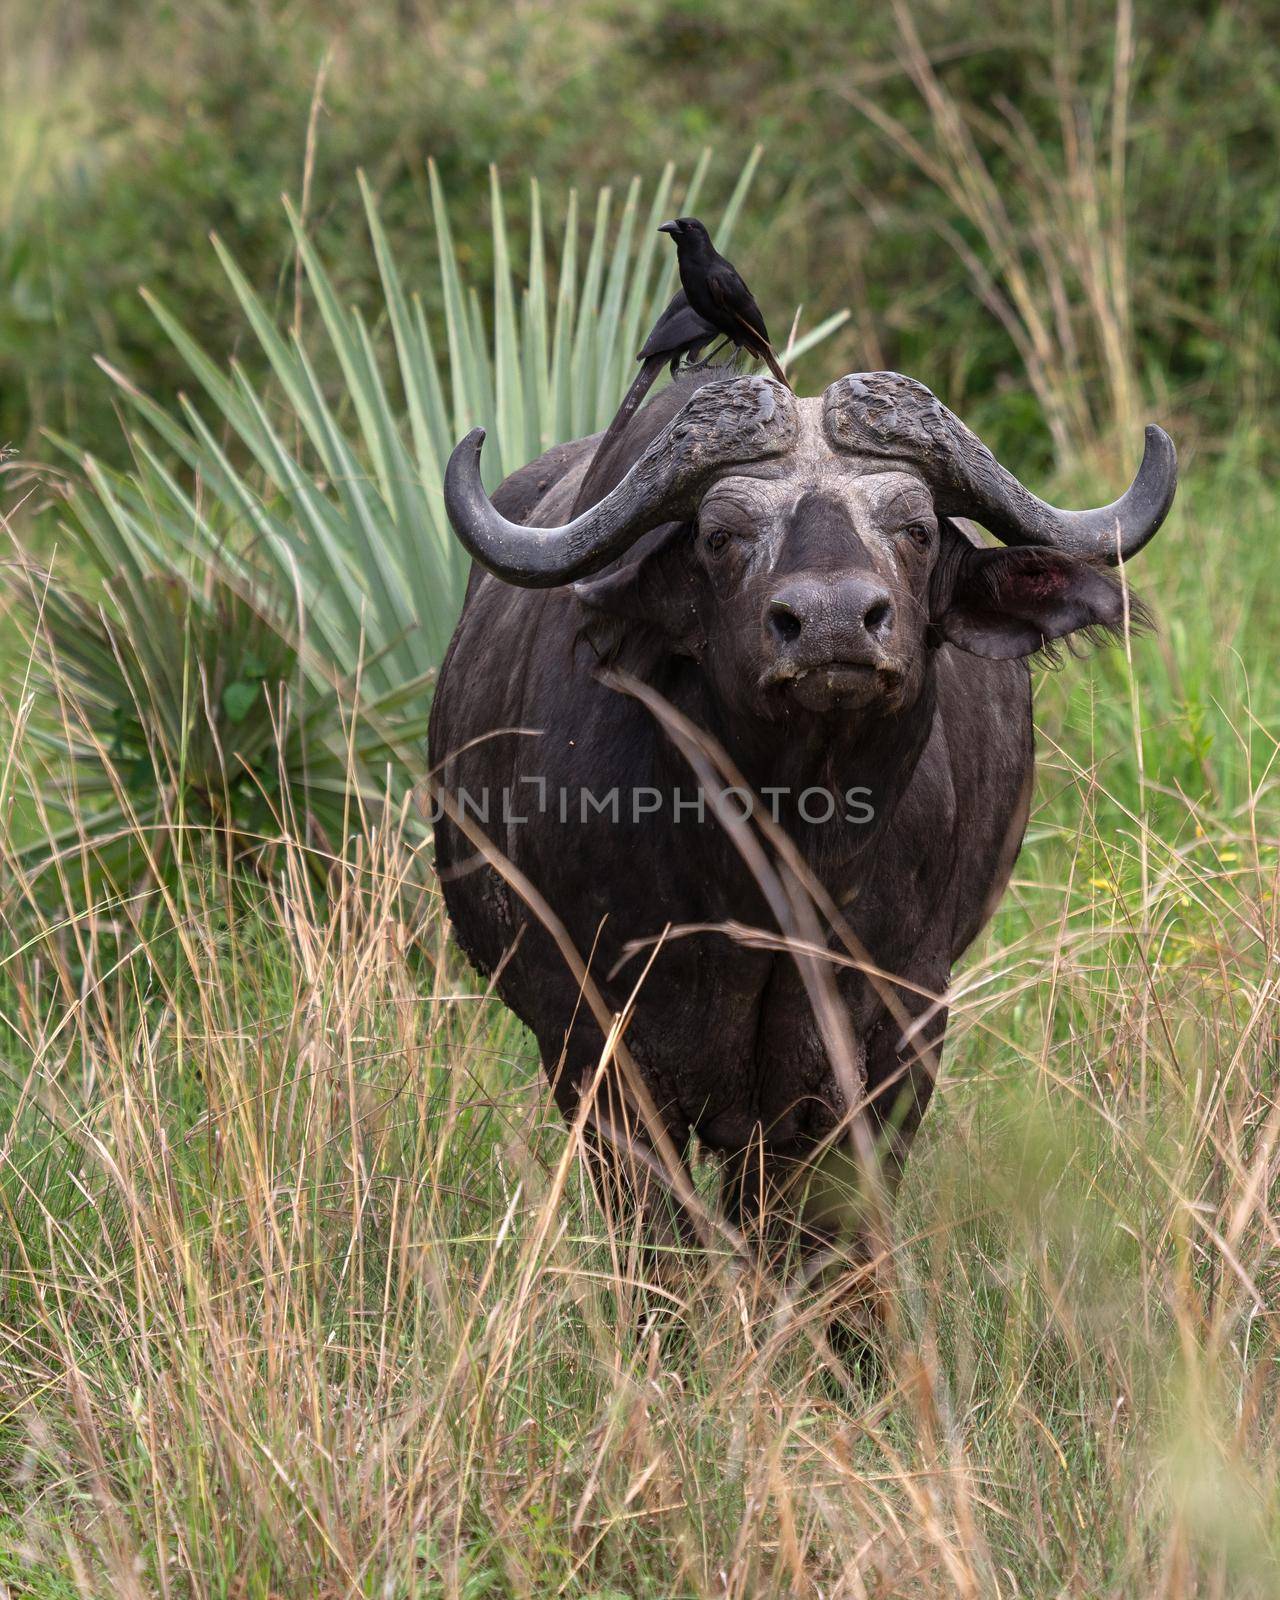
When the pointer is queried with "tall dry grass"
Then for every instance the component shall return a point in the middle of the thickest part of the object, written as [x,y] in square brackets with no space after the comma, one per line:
[1048,253]
[304,1292]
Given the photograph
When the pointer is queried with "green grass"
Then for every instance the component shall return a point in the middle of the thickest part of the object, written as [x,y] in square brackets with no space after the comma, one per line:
[303,1293]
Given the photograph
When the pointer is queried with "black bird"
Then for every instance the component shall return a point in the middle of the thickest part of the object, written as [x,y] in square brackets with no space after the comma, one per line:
[679,334]
[717,293]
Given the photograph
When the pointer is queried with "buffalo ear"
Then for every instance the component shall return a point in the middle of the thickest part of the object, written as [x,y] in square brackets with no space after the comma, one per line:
[1006,603]
[654,591]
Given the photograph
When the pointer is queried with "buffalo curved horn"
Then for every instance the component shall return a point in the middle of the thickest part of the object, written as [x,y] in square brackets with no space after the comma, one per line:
[886,415]
[722,425]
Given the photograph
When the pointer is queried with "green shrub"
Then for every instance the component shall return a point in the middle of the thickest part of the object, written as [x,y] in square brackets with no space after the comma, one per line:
[162,122]
[278,578]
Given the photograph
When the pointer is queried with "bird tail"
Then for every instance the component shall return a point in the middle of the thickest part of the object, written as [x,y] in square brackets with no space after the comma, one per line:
[772,362]
[589,489]
[760,347]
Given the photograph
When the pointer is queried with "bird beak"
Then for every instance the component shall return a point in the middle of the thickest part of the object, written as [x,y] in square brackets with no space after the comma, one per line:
[670,227]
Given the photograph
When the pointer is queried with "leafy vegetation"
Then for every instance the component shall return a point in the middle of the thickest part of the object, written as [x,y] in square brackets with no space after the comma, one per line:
[297,542]
[336,499]
[175,723]
[128,140]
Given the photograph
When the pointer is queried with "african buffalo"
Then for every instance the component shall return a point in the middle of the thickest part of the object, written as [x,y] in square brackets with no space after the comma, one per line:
[777,591]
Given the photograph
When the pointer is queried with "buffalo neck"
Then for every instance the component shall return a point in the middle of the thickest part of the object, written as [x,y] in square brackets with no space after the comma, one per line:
[864,763]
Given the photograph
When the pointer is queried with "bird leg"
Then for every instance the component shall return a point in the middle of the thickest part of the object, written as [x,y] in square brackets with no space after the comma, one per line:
[697,366]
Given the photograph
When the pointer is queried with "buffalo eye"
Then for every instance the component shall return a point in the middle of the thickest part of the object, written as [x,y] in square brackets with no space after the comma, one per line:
[717,538]
[919,533]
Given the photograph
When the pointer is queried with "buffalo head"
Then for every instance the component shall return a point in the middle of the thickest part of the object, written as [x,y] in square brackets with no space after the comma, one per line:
[803,550]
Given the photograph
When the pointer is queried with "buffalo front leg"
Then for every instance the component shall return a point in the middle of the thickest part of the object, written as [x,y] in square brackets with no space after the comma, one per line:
[815,1215]
[635,1149]
[903,1059]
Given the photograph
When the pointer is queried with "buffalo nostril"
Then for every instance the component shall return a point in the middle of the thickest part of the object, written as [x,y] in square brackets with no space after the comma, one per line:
[878,617]
[784,622]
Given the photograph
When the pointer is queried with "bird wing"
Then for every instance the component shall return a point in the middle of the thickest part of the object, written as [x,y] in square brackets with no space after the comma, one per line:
[736,303]
[677,329]
[753,335]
